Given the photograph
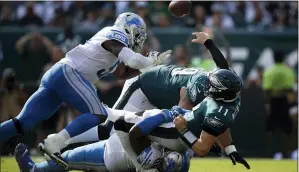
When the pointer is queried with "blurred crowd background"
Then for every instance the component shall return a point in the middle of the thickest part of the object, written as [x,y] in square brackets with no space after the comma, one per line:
[94,15]
[212,17]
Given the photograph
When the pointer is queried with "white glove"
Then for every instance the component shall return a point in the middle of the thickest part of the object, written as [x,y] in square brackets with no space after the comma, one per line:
[162,57]
[158,58]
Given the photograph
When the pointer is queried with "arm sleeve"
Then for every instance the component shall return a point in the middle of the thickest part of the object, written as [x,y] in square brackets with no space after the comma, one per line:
[149,124]
[214,126]
[216,54]
[134,60]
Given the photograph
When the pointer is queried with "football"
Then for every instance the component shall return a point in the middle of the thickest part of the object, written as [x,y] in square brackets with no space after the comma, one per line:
[179,8]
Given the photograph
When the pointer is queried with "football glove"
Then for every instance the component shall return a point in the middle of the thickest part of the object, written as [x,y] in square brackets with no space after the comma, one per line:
[176,110]
[169,116]
[235,156]
[159,57]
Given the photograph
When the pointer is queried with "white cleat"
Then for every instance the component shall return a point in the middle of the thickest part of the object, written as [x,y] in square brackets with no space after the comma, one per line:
[51,147]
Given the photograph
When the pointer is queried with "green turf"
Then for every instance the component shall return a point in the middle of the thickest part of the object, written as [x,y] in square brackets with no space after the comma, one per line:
[8,164]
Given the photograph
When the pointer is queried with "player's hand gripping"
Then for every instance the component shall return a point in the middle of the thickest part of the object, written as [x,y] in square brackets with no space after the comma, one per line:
[180,123]
[201,37]
[159,57]
[176,110]
[168,115]
[235,156]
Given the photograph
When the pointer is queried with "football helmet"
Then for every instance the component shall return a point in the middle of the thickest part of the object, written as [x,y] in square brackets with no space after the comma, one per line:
[223,84]
[134,27]
[176,162]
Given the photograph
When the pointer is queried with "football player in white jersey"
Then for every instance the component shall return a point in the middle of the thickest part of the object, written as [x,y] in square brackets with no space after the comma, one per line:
[70,80]
[107,155]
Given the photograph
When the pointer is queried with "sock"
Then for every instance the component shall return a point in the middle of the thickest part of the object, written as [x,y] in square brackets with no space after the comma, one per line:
[7,130]
[83,123]
[48,166]
[88,136]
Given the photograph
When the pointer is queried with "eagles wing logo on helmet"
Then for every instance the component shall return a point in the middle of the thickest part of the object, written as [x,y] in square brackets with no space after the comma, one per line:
[216,83]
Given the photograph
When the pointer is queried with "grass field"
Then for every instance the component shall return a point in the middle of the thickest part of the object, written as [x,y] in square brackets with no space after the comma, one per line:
[8,164]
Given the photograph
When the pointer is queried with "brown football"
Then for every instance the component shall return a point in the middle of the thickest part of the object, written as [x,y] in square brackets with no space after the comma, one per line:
[179,8]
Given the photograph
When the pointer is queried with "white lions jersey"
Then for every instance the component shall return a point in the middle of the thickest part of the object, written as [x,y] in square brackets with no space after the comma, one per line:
[115,158]
[91,59]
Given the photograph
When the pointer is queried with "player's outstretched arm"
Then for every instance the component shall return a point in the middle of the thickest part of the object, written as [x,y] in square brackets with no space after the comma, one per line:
[203,38]
[132,59]
[227,142]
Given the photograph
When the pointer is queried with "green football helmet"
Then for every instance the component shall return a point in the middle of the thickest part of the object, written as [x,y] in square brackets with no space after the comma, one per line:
[224,85]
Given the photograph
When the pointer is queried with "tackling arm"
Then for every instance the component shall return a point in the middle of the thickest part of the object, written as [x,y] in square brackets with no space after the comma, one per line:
[130,58]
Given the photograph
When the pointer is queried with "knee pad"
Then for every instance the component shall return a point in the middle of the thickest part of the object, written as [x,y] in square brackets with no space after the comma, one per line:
[18,126]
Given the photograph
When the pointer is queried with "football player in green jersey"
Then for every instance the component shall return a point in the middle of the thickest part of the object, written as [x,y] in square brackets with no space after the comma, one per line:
[166,86]
[197,129]
[225,99]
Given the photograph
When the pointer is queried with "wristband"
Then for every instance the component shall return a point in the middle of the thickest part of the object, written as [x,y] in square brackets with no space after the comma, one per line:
[230,149]
[188,137]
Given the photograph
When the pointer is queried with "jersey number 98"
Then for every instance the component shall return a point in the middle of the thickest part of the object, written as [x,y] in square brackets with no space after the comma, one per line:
[184,71]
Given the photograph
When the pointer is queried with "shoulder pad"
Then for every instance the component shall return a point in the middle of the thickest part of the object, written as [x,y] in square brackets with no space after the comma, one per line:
[114,34]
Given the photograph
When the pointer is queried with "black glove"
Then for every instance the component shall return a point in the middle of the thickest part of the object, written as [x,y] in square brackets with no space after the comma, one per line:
[236,157]
[215,149]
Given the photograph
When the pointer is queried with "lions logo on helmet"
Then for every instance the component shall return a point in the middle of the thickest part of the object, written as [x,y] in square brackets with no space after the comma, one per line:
[135,29]
[176,162]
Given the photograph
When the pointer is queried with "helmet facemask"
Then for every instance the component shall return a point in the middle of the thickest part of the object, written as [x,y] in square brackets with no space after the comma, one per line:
[136,40]
[216,90]
[135,29]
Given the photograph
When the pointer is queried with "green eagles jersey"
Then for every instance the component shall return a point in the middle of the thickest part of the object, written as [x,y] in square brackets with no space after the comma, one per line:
[162,84]
[214,117]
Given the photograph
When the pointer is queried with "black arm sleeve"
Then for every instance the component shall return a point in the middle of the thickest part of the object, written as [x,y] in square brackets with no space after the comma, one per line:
[216,54]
